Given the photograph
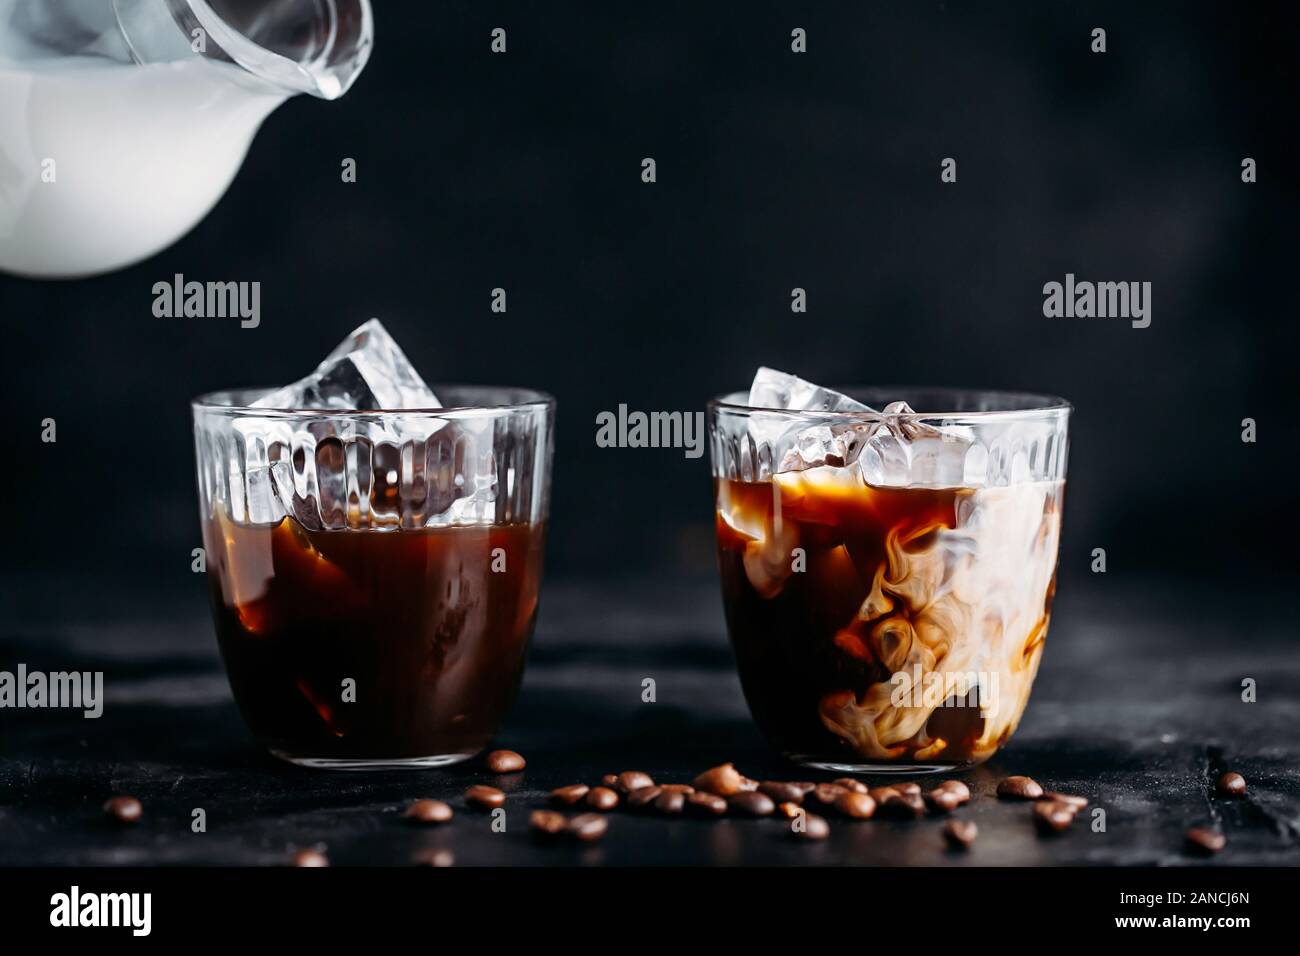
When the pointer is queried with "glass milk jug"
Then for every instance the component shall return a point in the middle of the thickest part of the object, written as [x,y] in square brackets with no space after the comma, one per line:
[122,122]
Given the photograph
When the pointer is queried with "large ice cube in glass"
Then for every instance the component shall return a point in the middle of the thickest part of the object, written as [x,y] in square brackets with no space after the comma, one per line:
[340,471]
[793,445]
[891,448]
[366,371]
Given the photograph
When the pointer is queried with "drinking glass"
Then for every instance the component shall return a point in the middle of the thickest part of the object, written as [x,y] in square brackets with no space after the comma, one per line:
[888,578]
[375,574]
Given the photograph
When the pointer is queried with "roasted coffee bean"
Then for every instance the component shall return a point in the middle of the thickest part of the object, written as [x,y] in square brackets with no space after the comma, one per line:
[685,789]
[879,794]
[610,780]
[1069,799]
[782,792]
[602,798]
[440,857]
[789,810]
[709,804]
[809,826]
[309,858]
[909,789]
[630,780]
[827,793]
[571,794]
[723,780]
[858,806]
[485,798]
[670,801]
[588,827]
[547,823]
[957,787]
[804,786]
[642,798]
[505,761]
[1052,817]
[960,834]
[428,811]
[901,806]
[1204,840]
[1019,788]
[751,803]
[941,800]
[1231,784]
[124,810]
[848,783]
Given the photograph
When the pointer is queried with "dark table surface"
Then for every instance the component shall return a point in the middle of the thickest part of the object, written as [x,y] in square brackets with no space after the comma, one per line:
[1137,705]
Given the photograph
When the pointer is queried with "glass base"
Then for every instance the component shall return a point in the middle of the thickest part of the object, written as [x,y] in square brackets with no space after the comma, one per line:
[376,763]
[840,766]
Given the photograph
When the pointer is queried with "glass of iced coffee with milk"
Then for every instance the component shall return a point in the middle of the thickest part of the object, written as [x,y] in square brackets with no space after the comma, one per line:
[888,561]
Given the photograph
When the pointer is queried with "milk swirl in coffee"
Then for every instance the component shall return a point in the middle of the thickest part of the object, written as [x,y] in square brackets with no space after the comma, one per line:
[887,582]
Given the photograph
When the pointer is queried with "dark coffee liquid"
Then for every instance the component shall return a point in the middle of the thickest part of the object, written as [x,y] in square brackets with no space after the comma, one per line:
[817,643]
[368,645]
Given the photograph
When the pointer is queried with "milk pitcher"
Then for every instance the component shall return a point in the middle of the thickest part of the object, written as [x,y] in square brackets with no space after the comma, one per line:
[122,122]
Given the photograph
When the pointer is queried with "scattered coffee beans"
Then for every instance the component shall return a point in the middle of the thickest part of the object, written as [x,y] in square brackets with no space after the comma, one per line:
[782,792]
[124,810]
[810,827]
[957,787]
[1052,817]
[1231,785]
[571,794]
[1019,788]
[709,804]
[602,798]
[630,780]
[789,810]
[428,811]
[827,793]
[751,803]
[643,797]
[485,798]
[588,827]
[848,783]
[942,800]
[505,761]
[547,823]
[1204,840]
[901,806]
[670,801]
[960,834]
[856,805]
[441,857]
[685,789]
[1070,799]
[610,780]
[723,780]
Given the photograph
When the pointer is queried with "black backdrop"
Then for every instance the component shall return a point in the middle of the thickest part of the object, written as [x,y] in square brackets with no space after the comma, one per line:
[775,170]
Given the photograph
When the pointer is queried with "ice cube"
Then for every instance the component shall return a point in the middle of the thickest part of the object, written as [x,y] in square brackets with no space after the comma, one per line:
[773,389]
[793,445]
[365,471]
[901,451]
[889,448]
[366,371]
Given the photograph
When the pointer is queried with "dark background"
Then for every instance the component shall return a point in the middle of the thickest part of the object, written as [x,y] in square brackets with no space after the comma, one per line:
[775,170]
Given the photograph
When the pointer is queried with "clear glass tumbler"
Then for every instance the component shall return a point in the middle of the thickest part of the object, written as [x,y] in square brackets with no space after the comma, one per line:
[375,574]
[888,578]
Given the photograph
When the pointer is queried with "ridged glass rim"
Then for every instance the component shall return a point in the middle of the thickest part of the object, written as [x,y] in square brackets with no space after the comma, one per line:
[238,401]
[1024,404]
